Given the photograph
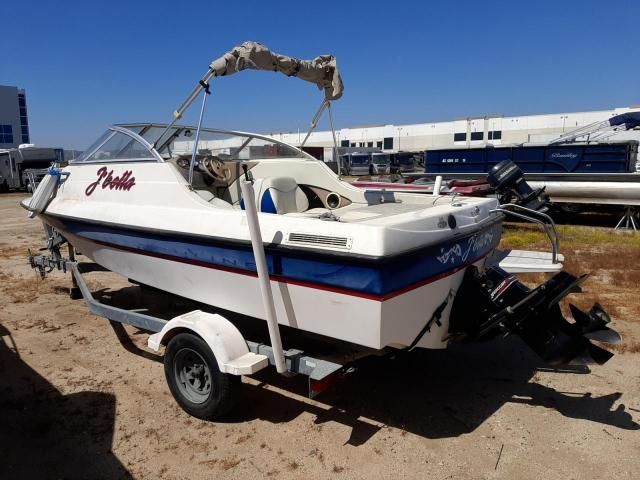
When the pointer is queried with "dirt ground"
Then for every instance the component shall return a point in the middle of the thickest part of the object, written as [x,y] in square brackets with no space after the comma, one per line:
[80,399]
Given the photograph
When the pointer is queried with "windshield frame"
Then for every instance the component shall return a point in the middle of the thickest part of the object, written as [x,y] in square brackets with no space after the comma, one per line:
[108,135]
[176,131]
[131,129]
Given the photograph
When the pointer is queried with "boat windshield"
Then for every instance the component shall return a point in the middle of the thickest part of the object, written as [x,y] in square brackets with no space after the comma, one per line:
[359,159]
[117,145]
[227,145]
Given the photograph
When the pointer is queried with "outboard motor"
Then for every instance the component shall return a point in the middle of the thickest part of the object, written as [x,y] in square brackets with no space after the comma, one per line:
[508,180]
[491,303]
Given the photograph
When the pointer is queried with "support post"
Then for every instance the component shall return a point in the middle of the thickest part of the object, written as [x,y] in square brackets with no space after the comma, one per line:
[437,185]
[627,221]
[314,121]
[336,155]
[263,273]
[205,93]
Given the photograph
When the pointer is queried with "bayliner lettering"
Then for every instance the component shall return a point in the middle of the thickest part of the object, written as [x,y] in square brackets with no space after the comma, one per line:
[564,155]
[474,245]
[107,180]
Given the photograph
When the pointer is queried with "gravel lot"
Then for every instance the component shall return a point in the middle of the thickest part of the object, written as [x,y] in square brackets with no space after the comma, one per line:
[79,399]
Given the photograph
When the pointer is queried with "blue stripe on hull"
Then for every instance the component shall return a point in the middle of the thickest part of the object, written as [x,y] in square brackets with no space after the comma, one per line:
[378,278]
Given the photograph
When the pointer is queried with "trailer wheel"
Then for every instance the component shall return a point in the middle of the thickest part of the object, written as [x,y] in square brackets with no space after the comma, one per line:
[195,380]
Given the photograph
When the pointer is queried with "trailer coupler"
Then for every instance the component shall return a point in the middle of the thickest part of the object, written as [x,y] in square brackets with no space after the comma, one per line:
[45,264]
[493,303]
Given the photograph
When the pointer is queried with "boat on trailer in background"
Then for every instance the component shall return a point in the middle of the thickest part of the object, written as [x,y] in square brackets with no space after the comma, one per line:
[245,223]
[596,165]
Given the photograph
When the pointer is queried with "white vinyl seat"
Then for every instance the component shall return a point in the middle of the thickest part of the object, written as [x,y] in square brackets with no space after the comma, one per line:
[279,195]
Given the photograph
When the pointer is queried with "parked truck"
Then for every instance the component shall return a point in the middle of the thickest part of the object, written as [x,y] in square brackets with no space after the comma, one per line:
[402,162]
[356,163]
[380,163]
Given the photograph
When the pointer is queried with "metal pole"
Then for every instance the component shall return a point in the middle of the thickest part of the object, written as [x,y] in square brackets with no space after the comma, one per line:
[336,157]
[192,165]
[437,185]
[203,84]
[263,274]
[314,121]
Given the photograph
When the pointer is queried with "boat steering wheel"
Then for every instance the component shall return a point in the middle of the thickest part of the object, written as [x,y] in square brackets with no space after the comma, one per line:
[216,169]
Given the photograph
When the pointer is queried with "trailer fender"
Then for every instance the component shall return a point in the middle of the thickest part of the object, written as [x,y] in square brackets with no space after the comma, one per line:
[226,342]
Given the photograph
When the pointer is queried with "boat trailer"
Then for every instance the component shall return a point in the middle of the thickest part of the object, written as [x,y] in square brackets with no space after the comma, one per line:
[233,354]
[205,353]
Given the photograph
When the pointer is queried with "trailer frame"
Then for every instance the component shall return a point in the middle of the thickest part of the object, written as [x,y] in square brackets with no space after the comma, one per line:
[320,372]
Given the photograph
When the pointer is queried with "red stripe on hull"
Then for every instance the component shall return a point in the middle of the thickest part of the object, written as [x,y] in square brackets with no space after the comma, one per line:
[290,281]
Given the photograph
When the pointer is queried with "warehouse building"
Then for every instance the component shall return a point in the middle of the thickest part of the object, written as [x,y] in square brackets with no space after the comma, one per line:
[460,133]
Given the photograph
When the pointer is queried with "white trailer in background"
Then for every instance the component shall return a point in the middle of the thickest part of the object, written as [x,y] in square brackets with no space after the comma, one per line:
[21,167]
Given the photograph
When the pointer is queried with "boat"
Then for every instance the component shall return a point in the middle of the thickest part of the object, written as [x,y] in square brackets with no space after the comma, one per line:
[473,188]
[587,166]
[168,206]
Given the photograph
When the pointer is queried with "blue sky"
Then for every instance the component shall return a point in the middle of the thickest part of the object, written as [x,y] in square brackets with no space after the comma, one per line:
[86,65]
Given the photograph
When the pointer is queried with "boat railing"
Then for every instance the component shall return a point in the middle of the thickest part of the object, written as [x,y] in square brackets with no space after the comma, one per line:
[542,219]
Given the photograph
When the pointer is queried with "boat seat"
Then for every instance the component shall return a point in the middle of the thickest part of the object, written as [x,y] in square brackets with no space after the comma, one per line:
[280,195]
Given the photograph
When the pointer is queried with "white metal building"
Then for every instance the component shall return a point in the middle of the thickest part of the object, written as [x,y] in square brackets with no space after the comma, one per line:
[472,131]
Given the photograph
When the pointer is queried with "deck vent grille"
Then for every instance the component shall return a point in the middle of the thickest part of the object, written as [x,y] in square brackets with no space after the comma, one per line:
[320,240]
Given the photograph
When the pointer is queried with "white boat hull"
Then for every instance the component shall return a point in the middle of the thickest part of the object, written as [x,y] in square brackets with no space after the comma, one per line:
[400,256]
[372,323]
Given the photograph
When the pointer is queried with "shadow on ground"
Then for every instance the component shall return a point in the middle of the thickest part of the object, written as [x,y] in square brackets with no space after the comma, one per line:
[45,434]
[434,394]
[431,393]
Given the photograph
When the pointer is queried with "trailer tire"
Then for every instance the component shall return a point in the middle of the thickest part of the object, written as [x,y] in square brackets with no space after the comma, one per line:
[4,187]
[195,380]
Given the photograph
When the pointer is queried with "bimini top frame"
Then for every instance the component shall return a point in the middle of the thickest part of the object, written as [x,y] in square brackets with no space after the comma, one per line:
[322,71]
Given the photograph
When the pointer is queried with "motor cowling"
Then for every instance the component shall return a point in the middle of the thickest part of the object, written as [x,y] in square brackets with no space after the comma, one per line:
[508,180]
